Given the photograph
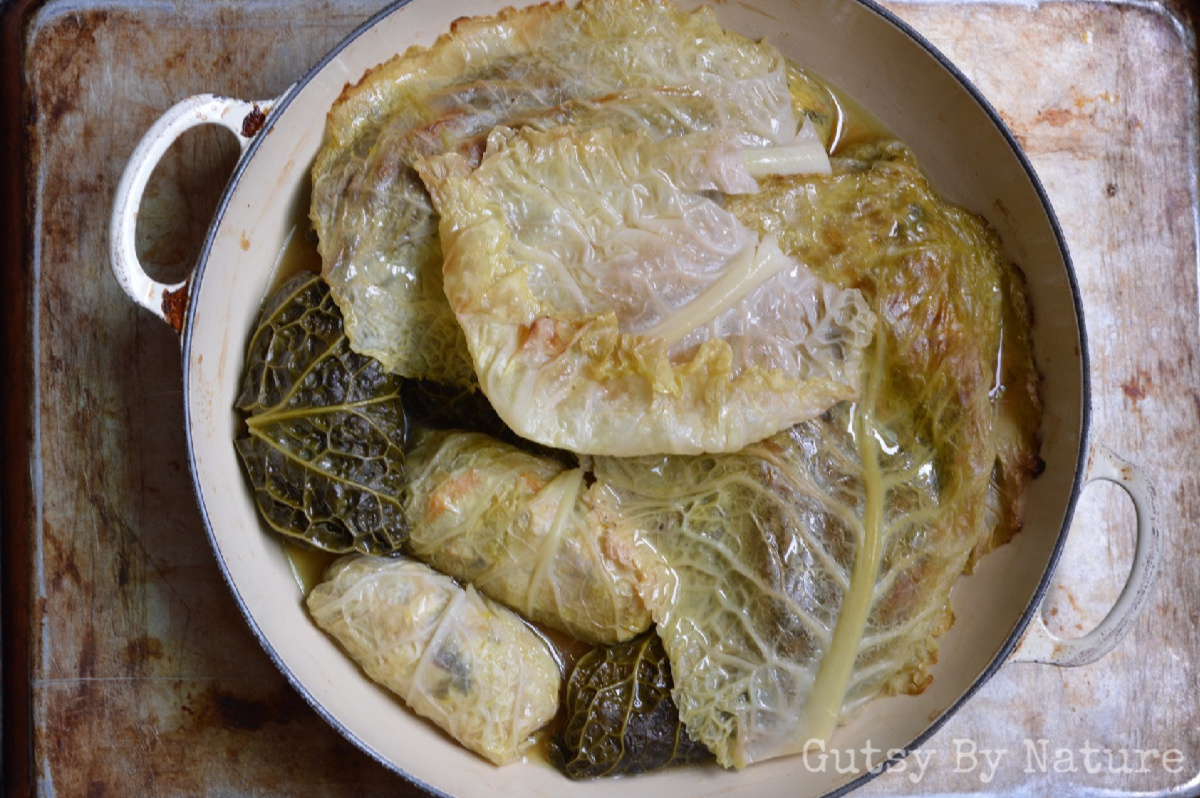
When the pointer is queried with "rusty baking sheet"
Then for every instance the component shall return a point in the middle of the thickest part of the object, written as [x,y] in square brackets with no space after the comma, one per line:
[128,669]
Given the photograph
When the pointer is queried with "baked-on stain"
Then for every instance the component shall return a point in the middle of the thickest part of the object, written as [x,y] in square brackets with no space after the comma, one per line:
[253,122]
[220,708]
[144,649]
[1017,133]
[86,665]
[1056,117]
[174,305]
[75,33]
[1135,387]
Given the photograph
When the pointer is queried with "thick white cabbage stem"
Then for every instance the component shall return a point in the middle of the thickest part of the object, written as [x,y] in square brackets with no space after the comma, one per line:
[805,155]
[569,485]
[747,270]
[753,266]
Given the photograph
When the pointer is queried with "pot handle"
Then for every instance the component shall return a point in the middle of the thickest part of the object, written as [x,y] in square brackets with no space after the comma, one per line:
[1039,644]
[245,119]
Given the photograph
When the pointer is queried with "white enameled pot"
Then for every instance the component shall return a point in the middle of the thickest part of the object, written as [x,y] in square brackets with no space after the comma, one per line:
[911,89]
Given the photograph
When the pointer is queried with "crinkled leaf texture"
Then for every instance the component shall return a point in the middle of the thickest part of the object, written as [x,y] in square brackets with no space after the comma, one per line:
[523,529]
[470,665]
[613,306]
[795,580]
[959,313]
[619,715]
[625,64]
[324,438]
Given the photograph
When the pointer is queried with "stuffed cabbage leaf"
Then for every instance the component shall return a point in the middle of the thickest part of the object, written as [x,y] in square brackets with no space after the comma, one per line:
[613,306]
[623,64]
[795,580]
[468,664]
[325,431]
[620,718]
[525,530]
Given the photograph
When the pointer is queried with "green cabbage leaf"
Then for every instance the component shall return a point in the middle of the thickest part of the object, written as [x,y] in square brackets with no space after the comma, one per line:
[620,718]
[325,430]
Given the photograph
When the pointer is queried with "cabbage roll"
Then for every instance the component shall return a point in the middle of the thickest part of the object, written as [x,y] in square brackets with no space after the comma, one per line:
[624,64]
[468,664]
[793,581]
[525,530]
[613,306]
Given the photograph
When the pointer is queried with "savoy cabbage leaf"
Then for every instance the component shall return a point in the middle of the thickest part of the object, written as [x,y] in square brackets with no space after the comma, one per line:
[613,306]
[795,580]
[619,64]
[524,529]
[325,430]
[620,718]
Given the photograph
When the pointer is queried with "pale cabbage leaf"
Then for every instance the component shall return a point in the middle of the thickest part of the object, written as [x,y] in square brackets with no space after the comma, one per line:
[959,312]
[797,579]
[470,665]
[523,529]
[613,306]
[627,65]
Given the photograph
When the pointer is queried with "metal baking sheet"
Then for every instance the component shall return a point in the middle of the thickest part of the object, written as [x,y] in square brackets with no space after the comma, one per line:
[143,679]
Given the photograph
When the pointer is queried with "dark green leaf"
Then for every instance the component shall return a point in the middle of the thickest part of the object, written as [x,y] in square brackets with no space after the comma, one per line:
[451,407]
[444,406]
[325,431]
[620,718]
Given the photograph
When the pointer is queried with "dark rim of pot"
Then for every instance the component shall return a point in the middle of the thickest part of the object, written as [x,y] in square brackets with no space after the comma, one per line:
[1085,412]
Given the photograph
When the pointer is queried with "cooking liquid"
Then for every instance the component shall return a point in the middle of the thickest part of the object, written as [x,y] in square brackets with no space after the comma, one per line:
[854,124]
